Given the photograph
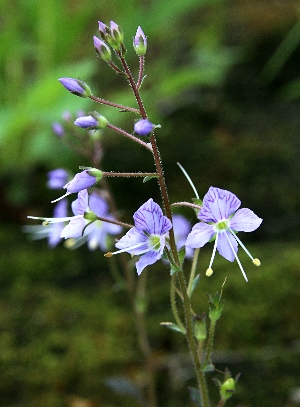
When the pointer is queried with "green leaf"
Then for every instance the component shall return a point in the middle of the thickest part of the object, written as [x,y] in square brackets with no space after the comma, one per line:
[195,396]
[149,177]
[171,326]
[195,283]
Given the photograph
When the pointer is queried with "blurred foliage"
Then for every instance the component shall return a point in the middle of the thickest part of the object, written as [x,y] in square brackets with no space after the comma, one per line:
[223,81]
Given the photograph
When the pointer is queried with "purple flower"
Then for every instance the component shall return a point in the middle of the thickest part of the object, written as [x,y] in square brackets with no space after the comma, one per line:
[102,49]
[182,228]
[57,178]
[221,218]
[91,122]
[140,42]
[84,225]
[147,238]
[96,233]
[76,86]
[83,180]
[50,231]
[143,127]
[58,129]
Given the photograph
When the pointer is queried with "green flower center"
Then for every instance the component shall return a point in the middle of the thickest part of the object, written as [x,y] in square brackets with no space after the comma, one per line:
[222,225]
[154,242]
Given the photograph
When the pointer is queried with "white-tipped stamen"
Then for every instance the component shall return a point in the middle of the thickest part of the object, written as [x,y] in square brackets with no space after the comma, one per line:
[58,199]
[189,180]
[237,259]
[54,220]
[214,251]
[110,254]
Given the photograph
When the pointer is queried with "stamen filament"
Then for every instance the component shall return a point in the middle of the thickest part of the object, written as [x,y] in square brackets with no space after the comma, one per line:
[214,251]
[237,259]
[54,220]
[109,254]
[241,244]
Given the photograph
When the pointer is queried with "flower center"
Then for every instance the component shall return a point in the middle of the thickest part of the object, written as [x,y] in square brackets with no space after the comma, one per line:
[154,242]
[222,225]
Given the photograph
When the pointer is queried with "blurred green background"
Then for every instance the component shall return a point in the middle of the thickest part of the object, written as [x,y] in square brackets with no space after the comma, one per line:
[223,81]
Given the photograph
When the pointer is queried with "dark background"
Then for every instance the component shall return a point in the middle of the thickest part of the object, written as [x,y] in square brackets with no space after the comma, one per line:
[223,81]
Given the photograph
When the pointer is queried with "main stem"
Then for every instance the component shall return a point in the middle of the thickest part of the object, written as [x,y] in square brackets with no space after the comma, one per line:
[186,300]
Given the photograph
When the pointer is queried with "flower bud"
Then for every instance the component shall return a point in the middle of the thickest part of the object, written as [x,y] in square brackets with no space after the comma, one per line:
[116,32]
[143,127]
[92,122]
[227,388]
[58,129]
[140,42]
[102,49]
[83,180]
[103,30]
[76,86]
[200,328]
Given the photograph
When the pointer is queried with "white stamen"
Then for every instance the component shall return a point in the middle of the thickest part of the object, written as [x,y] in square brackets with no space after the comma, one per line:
[54,220]
[241,244]
[127,249]
[237,259]
[214,251]
[189,179]
[58,199]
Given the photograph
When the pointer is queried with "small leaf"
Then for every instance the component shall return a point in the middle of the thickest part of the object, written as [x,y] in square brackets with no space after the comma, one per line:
[174,269]
[195,283]
[171,326]
[149,177]
[124,386]
[195,396]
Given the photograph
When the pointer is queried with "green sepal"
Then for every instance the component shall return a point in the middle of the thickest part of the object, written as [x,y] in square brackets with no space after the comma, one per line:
[216,306]
[146,179]
[194,284]
[174,269]
[172,326]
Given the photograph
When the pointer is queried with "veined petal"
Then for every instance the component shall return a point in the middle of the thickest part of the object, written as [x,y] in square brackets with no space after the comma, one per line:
[132,238]
[146,260]
[200,235]
[80,205]
[218,204]
[244,220]
[149,217]
[74,227]
[224,247]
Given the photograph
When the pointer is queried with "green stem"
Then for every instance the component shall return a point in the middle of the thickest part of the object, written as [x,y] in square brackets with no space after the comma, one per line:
[116,105]
[193,271]
[173,304]
[210,341]
[192,343]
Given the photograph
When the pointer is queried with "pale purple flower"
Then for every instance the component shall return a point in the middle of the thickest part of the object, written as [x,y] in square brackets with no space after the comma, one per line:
[96,232]
[148,238]
[143,127]
[103,29]
[182,228]
[221,218]
[50,231]
[57,178]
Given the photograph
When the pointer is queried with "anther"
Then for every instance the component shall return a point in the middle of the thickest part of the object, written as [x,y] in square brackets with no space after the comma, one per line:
[209,272]
[256,262]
